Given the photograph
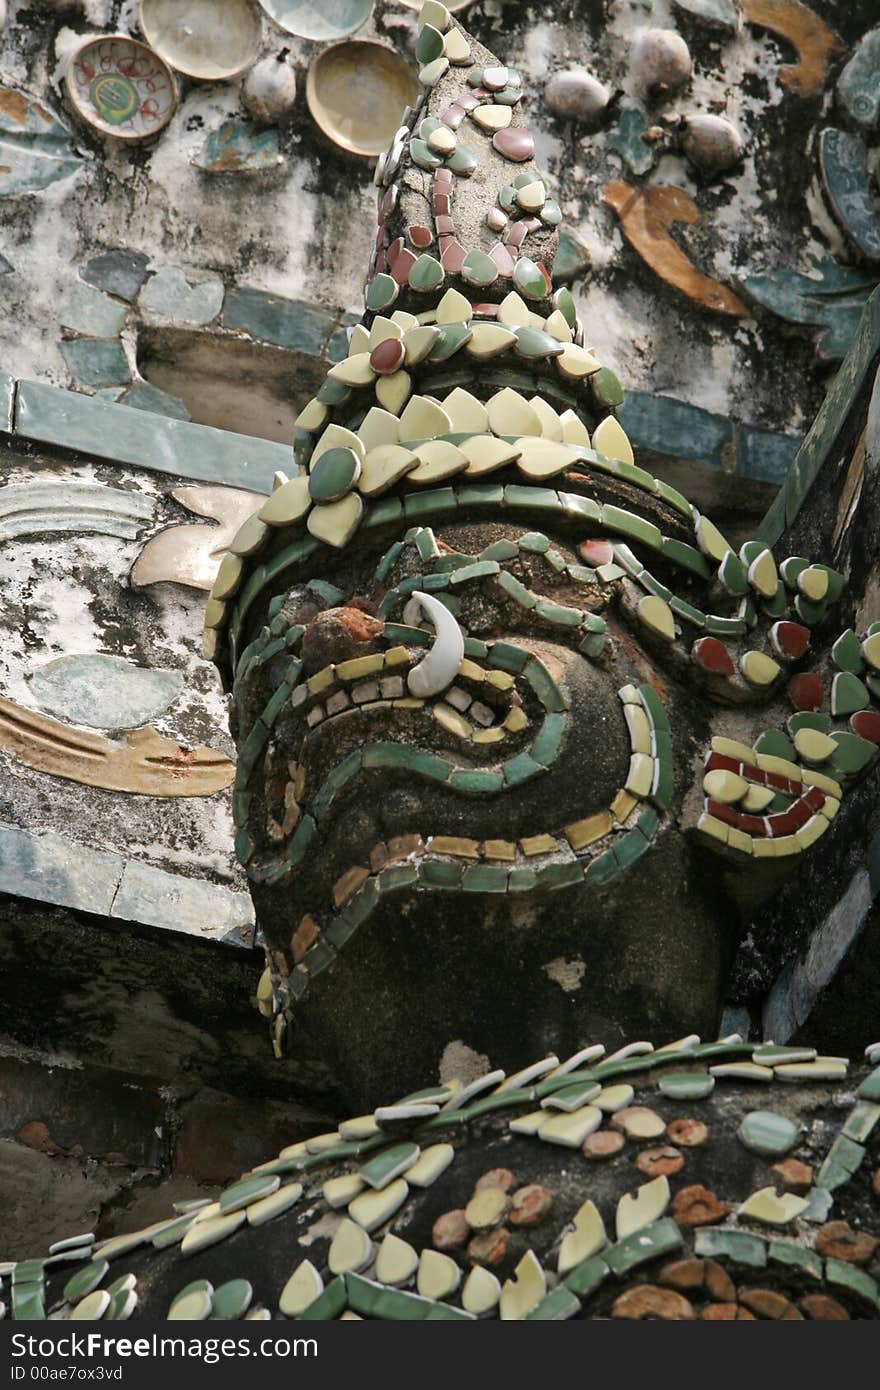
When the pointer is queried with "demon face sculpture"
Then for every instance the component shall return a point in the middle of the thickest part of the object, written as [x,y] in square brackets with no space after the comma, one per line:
[524,743]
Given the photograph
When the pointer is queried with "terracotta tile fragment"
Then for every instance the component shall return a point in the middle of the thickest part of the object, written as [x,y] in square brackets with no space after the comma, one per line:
[697,1206]
[796,1176]
[488,1248]
[718,1282]
[496,1177]
[682,1274]
[767,1303]
[822,1308]
[529,1205]
[604,1143]
[660,1162]
[689,1134]
[650,1301]
[450,1231]
[304,936]
[837,1240]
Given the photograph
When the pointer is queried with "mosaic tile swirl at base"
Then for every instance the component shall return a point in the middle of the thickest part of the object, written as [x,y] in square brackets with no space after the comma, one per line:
[495,1199]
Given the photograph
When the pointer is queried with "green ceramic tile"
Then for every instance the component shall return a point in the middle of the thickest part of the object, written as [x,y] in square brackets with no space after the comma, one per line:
[586,1277]
[840,1274]
[85,1280]
[766,1133]
[549,738]
[438,873]
[231,1300]
[686,1085]
[484,878]
[870,1087]
[557,1306]
[545,687]
[95,361]
[740,1247]
[795,1257]
[661,1238]
[520,769]
[561,875]
[861,1121]
[328,1306]
[476,781]
[397,877]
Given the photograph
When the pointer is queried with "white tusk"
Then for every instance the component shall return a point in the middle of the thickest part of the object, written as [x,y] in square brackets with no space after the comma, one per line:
[440,667]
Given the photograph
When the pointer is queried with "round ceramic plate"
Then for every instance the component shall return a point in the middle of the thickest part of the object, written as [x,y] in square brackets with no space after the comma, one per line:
[121,87]
[452,5]
[319,19]
[356,93]
[201,38]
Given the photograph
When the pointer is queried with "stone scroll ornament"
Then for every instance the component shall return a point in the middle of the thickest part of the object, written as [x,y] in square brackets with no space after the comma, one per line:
[524,745]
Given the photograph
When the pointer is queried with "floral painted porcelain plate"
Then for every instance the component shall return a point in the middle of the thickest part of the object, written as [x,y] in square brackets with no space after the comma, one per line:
[121,87]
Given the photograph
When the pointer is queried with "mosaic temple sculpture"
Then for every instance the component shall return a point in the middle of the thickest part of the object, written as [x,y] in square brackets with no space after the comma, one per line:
[524,747]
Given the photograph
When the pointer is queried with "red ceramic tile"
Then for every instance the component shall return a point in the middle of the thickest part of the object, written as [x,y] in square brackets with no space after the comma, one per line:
[453,256]
[515,143]
[814,799]
[596,553]
[496,219]
[531,224]
[387,357]
[484,311]
[790,639]
[805,690]
[866,724]
[517,234]
[468,101]
[787,822]
[443,178]
[401,267]
[454,115]
[421,237]
[755,774]
[395,249]
[503,259]
[719,762]
[445,226]
[751,825]
[442,204]
[712,656]
[722,812]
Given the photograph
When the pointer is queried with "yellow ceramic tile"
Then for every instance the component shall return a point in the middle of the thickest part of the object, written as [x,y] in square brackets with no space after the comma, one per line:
[725,786]
[524,1291]
[338,1192]
[485,454]
[585,1240]
[819,779]
[469,670]
[381,329]
[249,537]
[468,415]
[609,439]
[351,1248]
[337,437]
[648,1205]
[450,719]
[758,668]
[359,342]
[302,1288]
[438,460]
[871,650]
[767,762]
[638,727]
[423,419]
[656,615]
[571,1129]
[372,1209]
[574,431]
[504,850]
[809,833]
[710,539]
[532,196]
[510,413]
[586,832]
[336,523]
[228,577]
[266,1208]
[456,47]
[378,427]
[623,803]
[813,584]
[393,391]
[404,320]
[487,736]
[551,425]
[456,845]
[731,748]
[384,466]
[513,310]
[814,746]
[762,574]
[516,720]
[542,458]
[215,613]
[557,326]
[771,1209]
[396,1262]
[641,775]
[489,340]
[538,844]
[714,828]
[418,342]
[354,371]
[430,1164]
[739,840]
[830,808]
[612,1098]
[481,1291]
[312,417]
[576,363]
[487,1208]
[500,680]
[454,308]
[757,799]
[358,1127]
[288,504]
[528,1124]
[494,118]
